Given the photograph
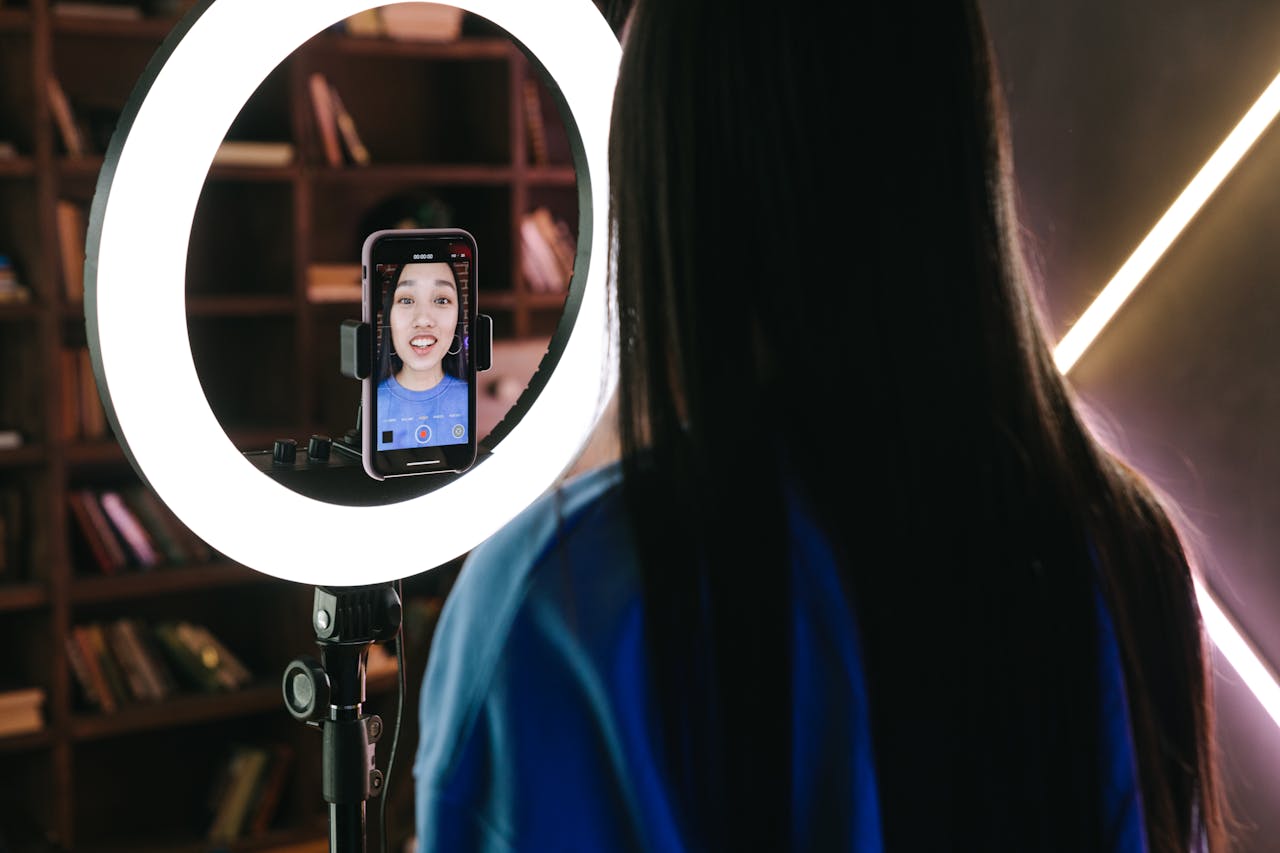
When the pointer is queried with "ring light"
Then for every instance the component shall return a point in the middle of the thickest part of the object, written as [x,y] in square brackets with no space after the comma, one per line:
[135,306]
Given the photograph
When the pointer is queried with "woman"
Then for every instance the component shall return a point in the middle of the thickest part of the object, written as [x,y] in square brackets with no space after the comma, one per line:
[421,385]
[863,579]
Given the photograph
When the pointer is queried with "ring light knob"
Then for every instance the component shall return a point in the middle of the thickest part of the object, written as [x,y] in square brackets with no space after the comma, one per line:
[285,451]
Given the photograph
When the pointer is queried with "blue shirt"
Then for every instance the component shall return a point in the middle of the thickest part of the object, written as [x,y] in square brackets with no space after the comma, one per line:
[422,418]
[538,729]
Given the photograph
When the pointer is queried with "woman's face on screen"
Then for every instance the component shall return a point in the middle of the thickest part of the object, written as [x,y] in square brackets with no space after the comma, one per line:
[424,318]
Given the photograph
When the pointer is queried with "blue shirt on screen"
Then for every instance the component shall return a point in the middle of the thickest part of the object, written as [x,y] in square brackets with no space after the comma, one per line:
[421,418]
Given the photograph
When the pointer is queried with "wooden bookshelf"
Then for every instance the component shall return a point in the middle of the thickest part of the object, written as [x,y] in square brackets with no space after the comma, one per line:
[268,359]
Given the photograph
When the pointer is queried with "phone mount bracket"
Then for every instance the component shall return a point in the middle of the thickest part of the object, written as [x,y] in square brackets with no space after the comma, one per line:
[356,344]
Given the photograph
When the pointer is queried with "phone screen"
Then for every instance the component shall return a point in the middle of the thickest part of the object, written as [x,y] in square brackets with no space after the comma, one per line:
[420,302]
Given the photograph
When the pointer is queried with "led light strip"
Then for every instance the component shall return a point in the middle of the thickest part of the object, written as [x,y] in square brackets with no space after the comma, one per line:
[1153,246]
[1257,675]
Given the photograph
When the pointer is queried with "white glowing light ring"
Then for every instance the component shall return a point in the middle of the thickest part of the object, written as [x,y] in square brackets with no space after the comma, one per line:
[143,213]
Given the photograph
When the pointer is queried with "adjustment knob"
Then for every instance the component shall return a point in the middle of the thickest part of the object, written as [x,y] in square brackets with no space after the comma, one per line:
[318,448]
[286,450]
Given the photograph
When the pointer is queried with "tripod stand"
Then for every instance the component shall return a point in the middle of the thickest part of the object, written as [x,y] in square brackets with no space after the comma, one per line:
[329,695]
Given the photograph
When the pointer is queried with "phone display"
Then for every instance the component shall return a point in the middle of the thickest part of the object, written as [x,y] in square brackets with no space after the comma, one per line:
[419,400]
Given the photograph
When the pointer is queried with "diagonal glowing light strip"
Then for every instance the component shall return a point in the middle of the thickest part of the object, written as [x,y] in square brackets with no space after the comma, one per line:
[1239,652]
[1158,240]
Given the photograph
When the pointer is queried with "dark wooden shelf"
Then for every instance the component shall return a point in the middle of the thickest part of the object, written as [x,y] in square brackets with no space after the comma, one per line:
[240,306]
[15,20]
[26,742]
[17,167]
[22,457]
[105,27]
[183,710]
[464,49]
[162,581]
[23,596]
[391,174]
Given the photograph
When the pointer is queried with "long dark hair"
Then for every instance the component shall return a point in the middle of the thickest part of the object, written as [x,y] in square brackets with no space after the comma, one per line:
[820,289]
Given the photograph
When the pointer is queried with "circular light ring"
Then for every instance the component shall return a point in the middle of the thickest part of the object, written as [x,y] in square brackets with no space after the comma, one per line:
[136,310]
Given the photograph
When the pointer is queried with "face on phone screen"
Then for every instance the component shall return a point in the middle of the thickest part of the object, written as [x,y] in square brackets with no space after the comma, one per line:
[419,403]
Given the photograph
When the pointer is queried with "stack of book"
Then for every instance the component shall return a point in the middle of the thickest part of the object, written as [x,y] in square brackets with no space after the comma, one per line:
[130,529]
[126,661]
[547,249]
[12,290]
[21,711]
[333,282]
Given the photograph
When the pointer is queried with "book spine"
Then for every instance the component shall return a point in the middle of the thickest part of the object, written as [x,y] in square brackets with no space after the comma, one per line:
[106,697]
[107,663]
[83,674]
[96,532]
[93,416]
[72,229]
[268,801]
[158,521]
[326,121]
[130,529]
[347,129]
[139,687]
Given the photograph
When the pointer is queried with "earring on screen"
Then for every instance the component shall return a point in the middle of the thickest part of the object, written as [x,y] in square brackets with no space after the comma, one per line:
[457,338]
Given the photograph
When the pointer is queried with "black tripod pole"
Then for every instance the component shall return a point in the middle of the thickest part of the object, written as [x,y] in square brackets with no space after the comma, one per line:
[330,696]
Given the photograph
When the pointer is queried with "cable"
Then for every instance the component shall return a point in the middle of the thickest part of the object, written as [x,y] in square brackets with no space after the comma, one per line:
[395,730]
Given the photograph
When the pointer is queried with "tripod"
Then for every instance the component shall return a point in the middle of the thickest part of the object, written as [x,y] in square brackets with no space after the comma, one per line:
[330,694]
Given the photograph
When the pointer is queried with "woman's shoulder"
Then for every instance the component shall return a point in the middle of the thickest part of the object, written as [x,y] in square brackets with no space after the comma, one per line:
[498,574]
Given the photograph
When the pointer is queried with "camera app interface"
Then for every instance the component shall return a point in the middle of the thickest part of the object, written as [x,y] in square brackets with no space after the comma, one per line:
[423,339]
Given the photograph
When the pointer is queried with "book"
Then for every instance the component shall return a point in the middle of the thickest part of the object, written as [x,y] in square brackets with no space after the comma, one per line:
[355,147]
[12,290]
[231,673]
[96,532]
[21,710]
[247,768]
[422,21]
[267,803]
[74,141]
[130,529]
[85,656]
[176,540]
[149,678]
[92,412]
[140,687]
[198,667]
[555,232]
[84,679]
[110,667]
[538,260]
[72,228]
[69,393]
[326,120]
[159,522]
[534,124]
[243,152]
[366,24]
[333,282]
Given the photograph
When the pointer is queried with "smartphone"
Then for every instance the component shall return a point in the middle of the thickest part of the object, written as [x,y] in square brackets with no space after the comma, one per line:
[418,400]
